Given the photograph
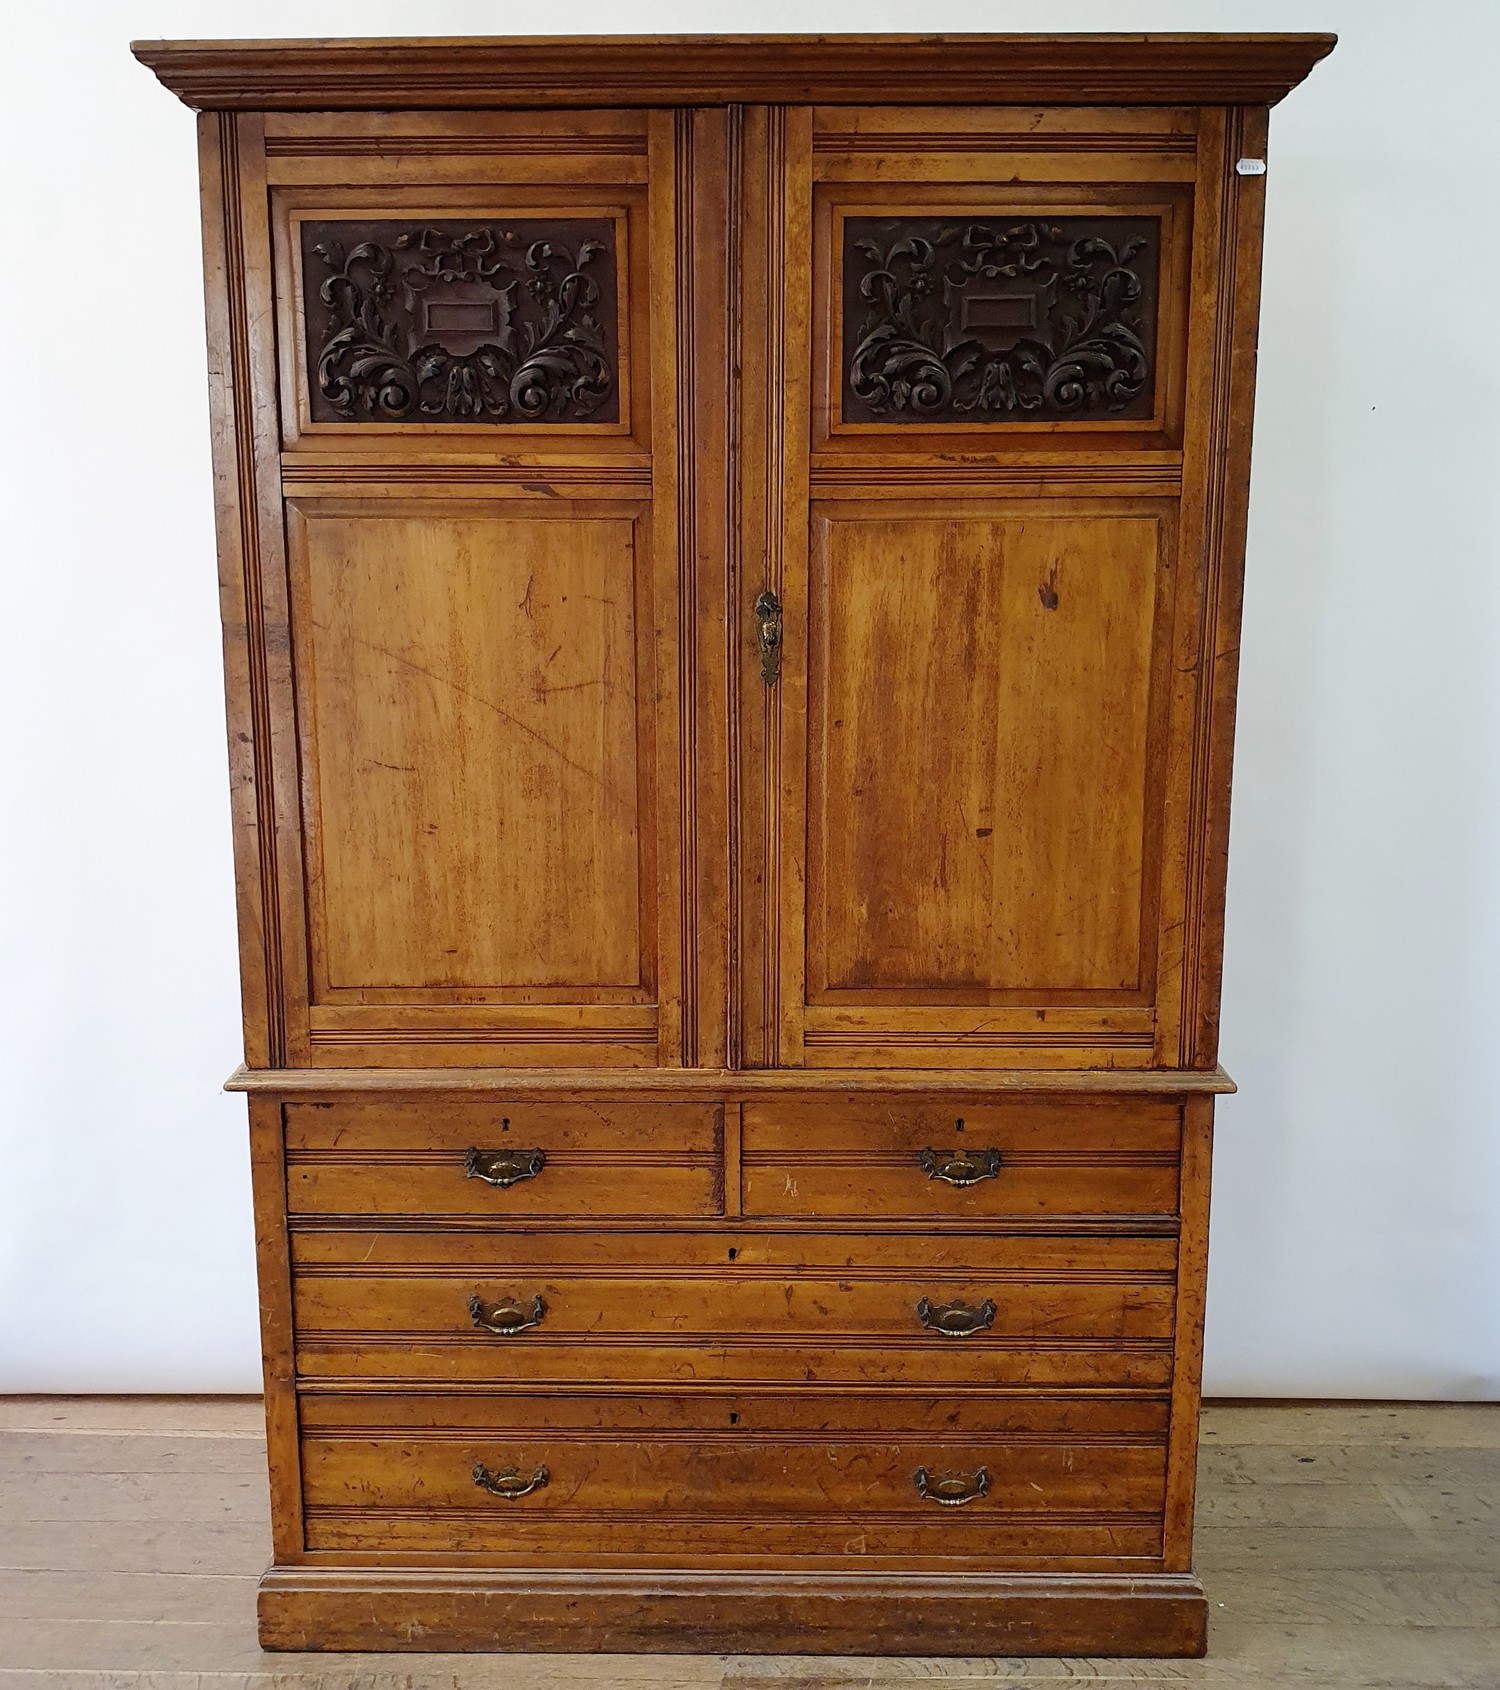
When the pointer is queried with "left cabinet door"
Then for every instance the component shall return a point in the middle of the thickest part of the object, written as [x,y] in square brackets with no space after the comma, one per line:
[464,687]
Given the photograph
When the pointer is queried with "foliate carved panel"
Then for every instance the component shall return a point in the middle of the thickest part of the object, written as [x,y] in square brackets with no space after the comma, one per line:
[967,320]
[477,321]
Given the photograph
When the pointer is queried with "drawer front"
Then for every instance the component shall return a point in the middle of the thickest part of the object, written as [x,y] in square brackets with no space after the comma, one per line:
[553,1306]
[322,1247]
[958,1162]
[947,1309]
[504,1162]
[1035,1418]
[743,1475]
[1044,1361]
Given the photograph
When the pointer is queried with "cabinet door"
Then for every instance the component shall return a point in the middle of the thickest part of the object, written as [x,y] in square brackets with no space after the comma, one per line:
[474,637]
[969,791]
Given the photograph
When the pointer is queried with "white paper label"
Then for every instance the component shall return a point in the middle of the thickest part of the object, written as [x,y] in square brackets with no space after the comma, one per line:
[1251,167]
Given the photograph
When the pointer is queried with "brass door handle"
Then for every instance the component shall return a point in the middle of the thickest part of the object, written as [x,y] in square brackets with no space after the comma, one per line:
[959,1167]
[768,636]
[956,1319]
[951,1490]
[508,1317]
[509,1484]
[503,1167]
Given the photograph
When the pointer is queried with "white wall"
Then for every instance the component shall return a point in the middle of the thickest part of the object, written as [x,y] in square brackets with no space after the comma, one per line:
[1357,1215]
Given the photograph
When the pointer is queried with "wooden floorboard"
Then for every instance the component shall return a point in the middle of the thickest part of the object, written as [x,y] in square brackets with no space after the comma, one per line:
[1343,1546]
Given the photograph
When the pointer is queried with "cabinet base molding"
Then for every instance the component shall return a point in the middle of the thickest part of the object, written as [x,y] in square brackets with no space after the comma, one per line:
[587,1611]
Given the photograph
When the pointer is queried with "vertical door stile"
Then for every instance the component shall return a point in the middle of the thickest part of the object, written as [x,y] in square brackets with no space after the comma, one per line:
[771,479]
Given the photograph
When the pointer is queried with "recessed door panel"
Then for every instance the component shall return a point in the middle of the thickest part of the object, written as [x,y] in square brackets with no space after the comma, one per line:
[979,727]
[469,688]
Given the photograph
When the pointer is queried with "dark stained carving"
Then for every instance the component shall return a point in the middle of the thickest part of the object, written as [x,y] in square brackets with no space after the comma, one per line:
[466,322]
[953,320]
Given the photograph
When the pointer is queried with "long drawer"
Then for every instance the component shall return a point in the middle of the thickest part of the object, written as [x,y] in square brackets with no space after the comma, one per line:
[745,1475]
[891,1157]
[504,1162]
[774,1307]
[504,1312]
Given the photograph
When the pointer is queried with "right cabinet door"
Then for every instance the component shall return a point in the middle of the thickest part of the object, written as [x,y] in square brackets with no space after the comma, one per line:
[971,798]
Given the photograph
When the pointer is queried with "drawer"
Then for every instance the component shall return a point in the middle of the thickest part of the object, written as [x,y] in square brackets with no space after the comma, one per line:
[956,1161]
[745,1476]
[507,1308]
[504,1161]
[971,1308]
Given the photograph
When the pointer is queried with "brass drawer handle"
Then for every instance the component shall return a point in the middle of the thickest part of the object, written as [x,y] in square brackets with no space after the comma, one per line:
[509,1484]
[955,1319]
[951,1490]
[508,1317]
[959,1167]
[503,1167]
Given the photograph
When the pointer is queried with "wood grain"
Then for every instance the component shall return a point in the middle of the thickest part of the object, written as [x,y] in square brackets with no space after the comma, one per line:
[1369,1608]
[730,557]
[590,71]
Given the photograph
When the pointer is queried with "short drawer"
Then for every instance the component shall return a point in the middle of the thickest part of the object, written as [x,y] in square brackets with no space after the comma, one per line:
[745,1475]
[955,1161]
[504,1161]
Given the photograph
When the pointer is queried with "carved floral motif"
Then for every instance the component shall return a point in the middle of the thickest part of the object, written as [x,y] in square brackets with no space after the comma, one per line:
[460,323]
[990,322]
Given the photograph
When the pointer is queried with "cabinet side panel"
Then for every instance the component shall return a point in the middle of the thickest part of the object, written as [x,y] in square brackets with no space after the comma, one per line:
[1231,424]
[1187,1364]
[247,707]
[273,1270]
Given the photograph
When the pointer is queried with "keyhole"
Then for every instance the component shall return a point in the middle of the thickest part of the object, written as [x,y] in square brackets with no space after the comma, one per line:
[958,1125]
[732,1252]
[505,1124]
[734,1419]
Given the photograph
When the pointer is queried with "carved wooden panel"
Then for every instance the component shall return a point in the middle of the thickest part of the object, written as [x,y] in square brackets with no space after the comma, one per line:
[999,320]
[474,321]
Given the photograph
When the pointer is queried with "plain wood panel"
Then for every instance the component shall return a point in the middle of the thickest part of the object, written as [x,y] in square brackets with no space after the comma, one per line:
[902,1125]
[995,1544]
[354,1128]
[1103,1363]
[568,1186]
[980,709]
[468,686]
[1025,1253]
[818,1185]
[1032,1421]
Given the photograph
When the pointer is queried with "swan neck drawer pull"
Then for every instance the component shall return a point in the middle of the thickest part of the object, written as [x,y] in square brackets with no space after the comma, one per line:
[510,1485]
[951,1490]
[507,1317]
[959,1167]
[956,1319]
[503,1167]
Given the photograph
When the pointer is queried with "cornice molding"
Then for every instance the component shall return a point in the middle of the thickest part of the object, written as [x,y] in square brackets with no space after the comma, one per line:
[609,71]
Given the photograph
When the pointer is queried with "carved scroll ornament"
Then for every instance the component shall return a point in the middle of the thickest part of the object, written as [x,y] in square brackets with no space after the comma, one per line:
[461,322]
[1002,321]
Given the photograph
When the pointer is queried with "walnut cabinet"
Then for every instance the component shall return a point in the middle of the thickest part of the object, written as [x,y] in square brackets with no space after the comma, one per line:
[731,558]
